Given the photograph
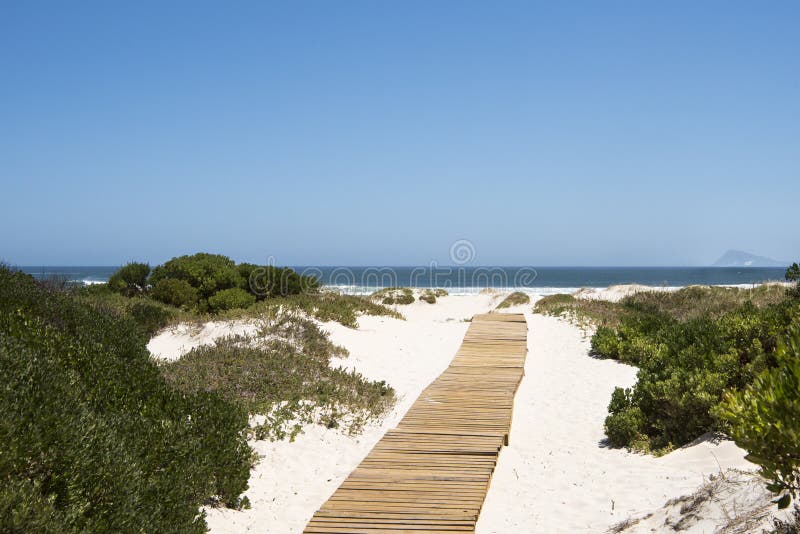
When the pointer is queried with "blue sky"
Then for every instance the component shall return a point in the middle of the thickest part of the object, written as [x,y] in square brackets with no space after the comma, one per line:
[552,133]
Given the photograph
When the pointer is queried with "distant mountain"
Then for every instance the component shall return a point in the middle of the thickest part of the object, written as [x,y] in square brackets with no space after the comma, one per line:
[737,258]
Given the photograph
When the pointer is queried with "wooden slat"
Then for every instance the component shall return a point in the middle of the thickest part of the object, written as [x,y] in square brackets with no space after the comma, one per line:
[431,473]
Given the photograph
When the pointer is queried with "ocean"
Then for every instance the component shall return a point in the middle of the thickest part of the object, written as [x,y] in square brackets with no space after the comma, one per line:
[471,279]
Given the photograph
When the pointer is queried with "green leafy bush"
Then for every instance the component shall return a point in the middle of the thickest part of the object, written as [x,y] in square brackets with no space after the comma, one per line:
[624,424]
[130,280]
[229,299]
[691,346]
[764,419]
[94,439]
[605,343]
[270,281]
[207,273]
[393,295]
[430,295]
[175,292]
[514,299]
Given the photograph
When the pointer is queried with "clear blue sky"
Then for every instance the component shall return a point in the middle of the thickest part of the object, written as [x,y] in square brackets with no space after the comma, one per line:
[551,133]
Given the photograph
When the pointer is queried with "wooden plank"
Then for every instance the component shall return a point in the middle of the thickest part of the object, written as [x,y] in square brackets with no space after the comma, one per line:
[431,473]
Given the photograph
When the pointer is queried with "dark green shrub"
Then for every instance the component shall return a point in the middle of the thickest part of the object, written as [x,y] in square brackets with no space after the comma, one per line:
[229,299]
[270,281]
[764,419]
[605,343]
[685,367]
[207,273]
[130,280]
[175,292]
[624,424]
[94,439]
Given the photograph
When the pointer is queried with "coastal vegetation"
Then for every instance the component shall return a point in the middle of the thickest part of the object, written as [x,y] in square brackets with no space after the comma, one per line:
[430,295]
[94,438]
[98,436]
[514,299]
[205,286]
[405,295]
[709,359]
[393,295]
[284,373]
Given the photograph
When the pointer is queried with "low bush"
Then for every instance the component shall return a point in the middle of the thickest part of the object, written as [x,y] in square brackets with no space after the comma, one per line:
[430,295]
[691,346]
[285,374]
[764,419]
[175,292]
[94,439]
[229,299]
[624,427]
[605,343]
[393,295]
[150,315]
[514,299]
[270,281]
[207,273]
[324,306]
[130,280]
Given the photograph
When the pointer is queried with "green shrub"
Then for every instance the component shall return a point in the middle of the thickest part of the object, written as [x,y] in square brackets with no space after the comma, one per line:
[764,419]
[207,273]
[393,295]
[685,367]
[130,280]
[625,421]
[430,295]
[605,343]
[94,439]
[514,299]
[229,299]
[175,292]
[270,281]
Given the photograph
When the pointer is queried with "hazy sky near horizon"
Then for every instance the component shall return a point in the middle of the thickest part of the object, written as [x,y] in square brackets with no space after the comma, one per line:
[355,133]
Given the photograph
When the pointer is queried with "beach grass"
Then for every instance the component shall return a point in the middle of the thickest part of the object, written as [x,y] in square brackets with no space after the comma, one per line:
[284,373]
[514,299]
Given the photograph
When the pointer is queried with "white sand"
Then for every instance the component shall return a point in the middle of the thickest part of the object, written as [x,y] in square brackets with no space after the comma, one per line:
[618,292]
[173,343]
[555,476]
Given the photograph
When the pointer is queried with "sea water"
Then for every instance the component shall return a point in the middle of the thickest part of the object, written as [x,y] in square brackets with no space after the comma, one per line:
[471,279]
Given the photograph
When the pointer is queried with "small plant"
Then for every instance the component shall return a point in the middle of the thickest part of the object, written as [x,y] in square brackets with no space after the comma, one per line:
[229,299]
[514,299]
[430,295]
[393,295]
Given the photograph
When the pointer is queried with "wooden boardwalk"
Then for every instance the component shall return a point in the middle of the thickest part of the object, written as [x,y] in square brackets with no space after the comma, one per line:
[432,472]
